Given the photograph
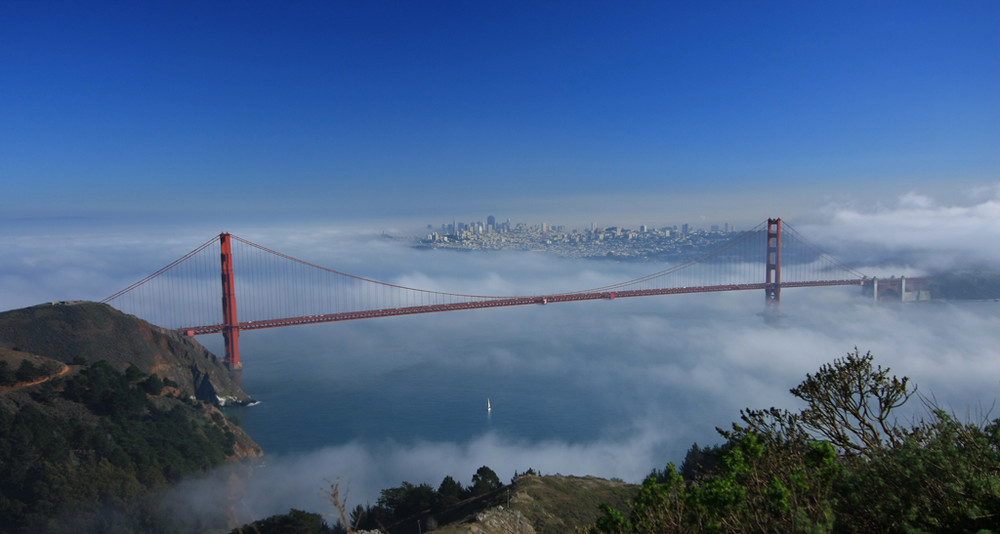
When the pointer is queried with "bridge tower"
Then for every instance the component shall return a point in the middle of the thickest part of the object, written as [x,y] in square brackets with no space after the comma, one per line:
[230,325]
[772,273]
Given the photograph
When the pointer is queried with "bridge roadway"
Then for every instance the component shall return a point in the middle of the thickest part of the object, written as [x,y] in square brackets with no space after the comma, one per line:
[501,302]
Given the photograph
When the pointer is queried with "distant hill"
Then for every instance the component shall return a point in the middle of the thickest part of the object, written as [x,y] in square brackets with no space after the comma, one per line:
[87,331]
[973,285]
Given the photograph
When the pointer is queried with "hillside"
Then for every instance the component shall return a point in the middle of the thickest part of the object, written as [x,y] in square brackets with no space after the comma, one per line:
[98,414]
[972,285]
[71,332]
[552,504]
[530,504]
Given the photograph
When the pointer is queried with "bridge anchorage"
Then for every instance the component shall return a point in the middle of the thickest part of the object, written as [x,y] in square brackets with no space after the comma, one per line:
[262,288]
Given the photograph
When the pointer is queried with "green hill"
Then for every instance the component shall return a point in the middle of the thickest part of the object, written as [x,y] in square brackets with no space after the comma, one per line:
[100,411]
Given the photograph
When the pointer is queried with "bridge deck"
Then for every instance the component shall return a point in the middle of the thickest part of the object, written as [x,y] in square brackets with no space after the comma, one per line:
[503,302]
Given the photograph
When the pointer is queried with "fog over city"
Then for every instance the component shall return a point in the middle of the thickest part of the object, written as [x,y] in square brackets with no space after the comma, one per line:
[657,374]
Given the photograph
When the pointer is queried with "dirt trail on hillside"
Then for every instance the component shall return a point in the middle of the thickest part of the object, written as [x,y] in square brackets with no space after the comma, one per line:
[22,385]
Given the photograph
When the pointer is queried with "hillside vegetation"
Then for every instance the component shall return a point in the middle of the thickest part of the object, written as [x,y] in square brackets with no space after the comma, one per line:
[87,442]
[530,504]
[843,464]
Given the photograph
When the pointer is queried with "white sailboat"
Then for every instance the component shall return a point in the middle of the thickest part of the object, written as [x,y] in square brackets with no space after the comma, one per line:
[488,407]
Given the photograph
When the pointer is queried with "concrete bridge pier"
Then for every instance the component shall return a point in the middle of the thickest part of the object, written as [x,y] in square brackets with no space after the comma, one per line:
[900,289]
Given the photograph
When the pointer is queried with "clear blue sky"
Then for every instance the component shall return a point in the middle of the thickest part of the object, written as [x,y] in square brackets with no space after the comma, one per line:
[371,109]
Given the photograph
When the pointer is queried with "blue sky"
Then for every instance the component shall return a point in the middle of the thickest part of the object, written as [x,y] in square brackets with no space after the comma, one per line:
[431,110]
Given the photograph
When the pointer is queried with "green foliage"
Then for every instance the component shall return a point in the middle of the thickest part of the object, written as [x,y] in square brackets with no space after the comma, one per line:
[45,393]
[106,391]
[407,499]
[698,463]
[133,374]
[484,481]
[294,522]
[152,385]
[943,477]
[400,504]
[29,372]
[96,468]
[7,377]
[868,475]
[450,492]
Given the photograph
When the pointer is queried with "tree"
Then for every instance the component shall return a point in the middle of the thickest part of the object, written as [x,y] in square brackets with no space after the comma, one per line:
[849,402]
[698,462]
[759,486]
[27,372]
[449,493]
[406,500]
[152,385]
[944,476]
[773,475]
[294,522]
[484,481]
[7,377]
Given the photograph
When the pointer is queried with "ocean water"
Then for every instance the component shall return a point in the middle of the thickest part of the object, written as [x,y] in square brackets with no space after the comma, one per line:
[429,403]
[547,381]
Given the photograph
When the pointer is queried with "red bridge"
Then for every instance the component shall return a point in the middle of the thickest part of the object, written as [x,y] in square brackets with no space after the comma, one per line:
[273,289]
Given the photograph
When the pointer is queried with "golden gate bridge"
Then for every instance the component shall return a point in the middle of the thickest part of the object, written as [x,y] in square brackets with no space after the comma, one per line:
[263,288]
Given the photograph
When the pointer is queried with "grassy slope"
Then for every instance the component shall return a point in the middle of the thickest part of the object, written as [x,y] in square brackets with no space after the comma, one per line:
[553,504]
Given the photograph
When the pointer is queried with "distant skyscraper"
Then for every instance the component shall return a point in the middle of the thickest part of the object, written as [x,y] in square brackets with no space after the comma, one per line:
[491,222]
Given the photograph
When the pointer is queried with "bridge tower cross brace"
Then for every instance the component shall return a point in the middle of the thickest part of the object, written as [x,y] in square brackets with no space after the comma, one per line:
[772,273]
[230,325]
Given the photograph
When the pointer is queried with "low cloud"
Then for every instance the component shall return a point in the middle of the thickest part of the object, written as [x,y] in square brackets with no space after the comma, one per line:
[362,470]
[915,232]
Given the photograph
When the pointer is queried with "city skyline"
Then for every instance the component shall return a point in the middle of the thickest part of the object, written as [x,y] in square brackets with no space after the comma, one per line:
[491,222]
[223,112]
